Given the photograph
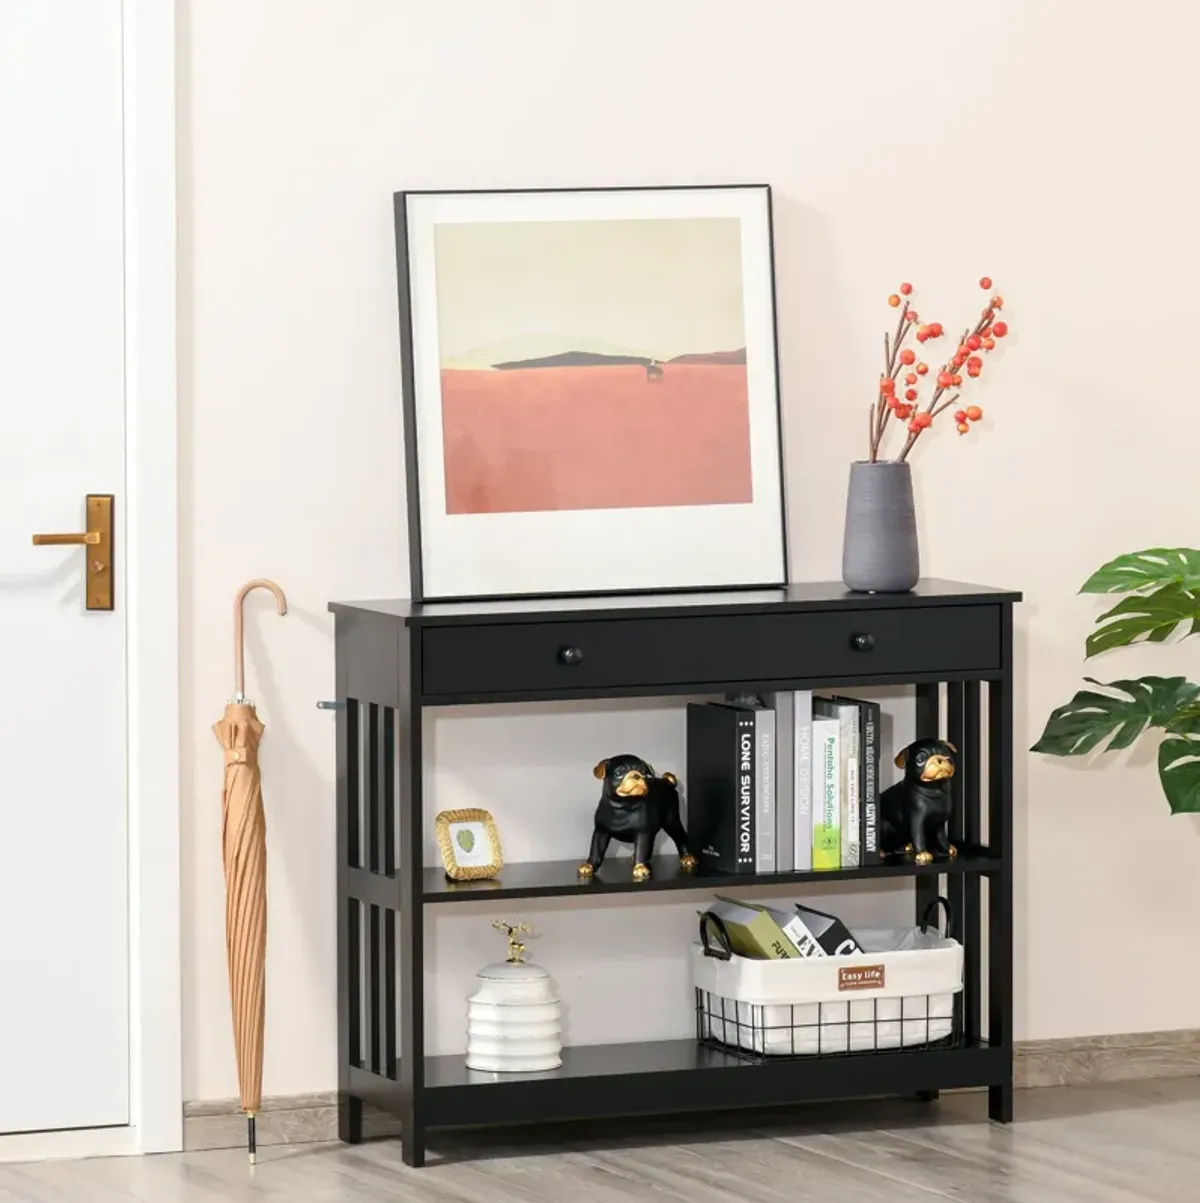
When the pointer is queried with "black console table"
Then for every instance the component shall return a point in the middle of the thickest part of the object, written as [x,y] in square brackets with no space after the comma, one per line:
[394,658]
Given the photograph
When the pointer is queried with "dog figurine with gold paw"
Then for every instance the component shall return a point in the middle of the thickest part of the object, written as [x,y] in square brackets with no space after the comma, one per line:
[635,805]
[914,814]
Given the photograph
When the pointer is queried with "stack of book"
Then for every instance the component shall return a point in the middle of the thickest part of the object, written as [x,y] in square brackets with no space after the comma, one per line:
[786,783]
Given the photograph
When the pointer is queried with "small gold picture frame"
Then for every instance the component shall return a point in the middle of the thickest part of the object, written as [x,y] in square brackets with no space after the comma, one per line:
[469,843]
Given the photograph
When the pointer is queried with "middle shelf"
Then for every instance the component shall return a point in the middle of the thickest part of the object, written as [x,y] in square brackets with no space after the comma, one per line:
[559,878]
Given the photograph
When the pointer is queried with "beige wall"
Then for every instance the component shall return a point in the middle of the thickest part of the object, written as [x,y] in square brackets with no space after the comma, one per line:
[1048,144]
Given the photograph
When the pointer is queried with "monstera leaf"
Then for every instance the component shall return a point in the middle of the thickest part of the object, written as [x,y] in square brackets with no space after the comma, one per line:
[1162,588]
[1089,718]
[1179,772]
[1150,618]
[1142,571]
[1179,761]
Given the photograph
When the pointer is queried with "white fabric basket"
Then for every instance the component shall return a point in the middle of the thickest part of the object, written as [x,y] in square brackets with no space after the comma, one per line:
[898,992]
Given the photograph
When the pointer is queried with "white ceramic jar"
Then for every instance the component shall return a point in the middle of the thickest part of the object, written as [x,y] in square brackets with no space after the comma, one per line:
[514,1020]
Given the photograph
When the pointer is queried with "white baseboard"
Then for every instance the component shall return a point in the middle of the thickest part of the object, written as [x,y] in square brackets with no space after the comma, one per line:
[70,1145]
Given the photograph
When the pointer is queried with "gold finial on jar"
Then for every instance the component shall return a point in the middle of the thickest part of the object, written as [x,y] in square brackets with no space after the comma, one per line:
[516,950]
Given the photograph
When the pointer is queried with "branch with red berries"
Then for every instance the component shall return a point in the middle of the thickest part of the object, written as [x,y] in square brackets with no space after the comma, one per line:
[908,407]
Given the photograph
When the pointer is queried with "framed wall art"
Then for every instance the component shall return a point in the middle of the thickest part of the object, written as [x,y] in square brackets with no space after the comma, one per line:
[591,391]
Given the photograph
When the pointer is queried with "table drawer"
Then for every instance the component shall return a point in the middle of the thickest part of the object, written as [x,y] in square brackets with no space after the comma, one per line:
[507,658]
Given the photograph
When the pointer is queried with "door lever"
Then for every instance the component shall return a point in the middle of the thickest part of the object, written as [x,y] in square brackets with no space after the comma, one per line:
[90,537]
[99,539]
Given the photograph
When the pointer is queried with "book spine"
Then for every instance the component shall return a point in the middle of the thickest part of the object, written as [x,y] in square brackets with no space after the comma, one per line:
[785,781]
[805,942]
[871,767]
[764,791]
[744,776]
[851,796]
[826,794]
[804,779]
[773,939]
[712,785]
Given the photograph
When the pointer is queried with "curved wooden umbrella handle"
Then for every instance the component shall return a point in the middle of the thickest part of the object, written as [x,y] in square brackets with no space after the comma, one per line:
[239,646]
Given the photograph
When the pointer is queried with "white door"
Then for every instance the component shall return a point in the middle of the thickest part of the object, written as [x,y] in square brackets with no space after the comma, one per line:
[64,973]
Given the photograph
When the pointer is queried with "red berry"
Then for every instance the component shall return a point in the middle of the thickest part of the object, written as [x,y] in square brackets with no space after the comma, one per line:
[963,428]
[974,413]
[894,402]
[956,380]
[921,336]
[922,368]
[907,288]
[945,380]
[910,394]
[887,385]
[997,302]
[902,410]
[974,362]
[910,378]
[960,357]
[989,344]
[999,329]
[908,356]
[911,316]
[985,283]
[894,301]
[974,342]
[960,415]
[914,426]
[972,372]
[935,330]
[924,419]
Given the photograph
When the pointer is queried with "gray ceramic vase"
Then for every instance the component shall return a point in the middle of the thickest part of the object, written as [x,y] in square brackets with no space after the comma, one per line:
[879,547]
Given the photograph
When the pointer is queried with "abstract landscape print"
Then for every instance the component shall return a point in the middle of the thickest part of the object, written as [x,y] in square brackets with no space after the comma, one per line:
[592,364]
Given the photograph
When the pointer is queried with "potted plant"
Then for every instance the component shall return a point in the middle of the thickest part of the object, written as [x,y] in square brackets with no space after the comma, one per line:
[879,548]
[1162,594]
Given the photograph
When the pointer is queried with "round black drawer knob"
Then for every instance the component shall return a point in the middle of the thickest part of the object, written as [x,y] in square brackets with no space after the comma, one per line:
[570,655]
[862,642]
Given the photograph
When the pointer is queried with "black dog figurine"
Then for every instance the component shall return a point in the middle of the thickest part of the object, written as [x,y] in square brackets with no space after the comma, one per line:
[914,813]
[635,805]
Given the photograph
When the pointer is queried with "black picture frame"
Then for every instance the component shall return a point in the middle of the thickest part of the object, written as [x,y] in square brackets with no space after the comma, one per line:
[416,538]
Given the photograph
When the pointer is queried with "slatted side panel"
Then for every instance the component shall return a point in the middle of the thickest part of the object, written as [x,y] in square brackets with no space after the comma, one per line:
[964,729]
[369,947]
[956,711]
[349,839]
[972,837]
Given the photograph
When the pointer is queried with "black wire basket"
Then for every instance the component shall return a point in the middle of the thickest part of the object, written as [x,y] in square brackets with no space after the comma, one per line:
[775,1031]
[853,1024]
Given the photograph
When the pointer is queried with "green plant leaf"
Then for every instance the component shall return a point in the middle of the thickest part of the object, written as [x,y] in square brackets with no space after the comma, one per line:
[1185,721]
[1179,772]
[1144,570]
[1089,718]
[465,838]
[1148,619]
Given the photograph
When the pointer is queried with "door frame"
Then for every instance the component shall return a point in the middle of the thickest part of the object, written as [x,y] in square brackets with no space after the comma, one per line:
[150,606]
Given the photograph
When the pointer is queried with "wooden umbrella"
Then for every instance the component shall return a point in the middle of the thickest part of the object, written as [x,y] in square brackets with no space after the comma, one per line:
[244,854]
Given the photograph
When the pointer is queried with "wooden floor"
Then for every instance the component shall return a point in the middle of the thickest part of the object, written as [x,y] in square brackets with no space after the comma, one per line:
[1136,1143]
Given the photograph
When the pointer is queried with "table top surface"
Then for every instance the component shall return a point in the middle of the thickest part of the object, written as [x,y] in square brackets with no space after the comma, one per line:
[819,595]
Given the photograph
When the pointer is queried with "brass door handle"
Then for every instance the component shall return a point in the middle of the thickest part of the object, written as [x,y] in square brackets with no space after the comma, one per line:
[91,537]
[98,536]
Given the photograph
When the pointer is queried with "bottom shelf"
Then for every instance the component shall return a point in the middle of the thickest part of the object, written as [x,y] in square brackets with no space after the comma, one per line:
[605,1080]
